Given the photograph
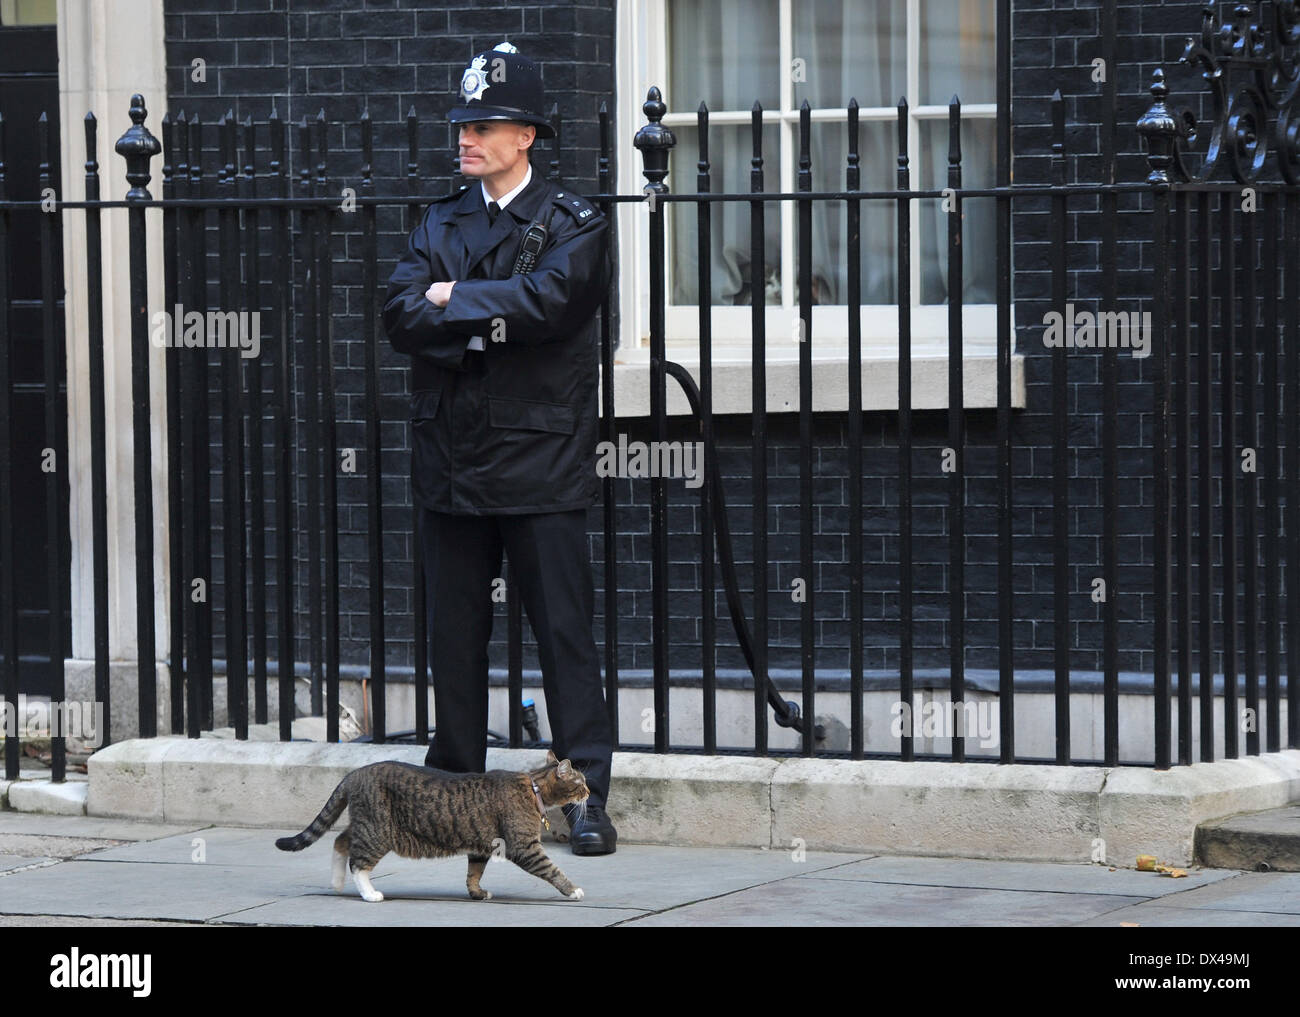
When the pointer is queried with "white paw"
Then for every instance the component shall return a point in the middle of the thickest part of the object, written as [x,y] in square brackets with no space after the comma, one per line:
[487,895]
[577,894]
[373,897]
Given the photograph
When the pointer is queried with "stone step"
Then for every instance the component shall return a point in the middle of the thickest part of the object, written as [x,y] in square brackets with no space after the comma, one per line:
[33,791]
[1022,811]
[1256,841]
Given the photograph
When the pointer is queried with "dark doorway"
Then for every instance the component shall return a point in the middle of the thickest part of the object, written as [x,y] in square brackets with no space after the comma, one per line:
[29,86]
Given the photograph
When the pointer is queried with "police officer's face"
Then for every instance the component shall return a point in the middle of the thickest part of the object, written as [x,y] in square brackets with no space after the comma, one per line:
[489,147]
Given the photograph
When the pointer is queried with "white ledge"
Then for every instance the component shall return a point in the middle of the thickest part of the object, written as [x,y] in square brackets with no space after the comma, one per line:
[732,382]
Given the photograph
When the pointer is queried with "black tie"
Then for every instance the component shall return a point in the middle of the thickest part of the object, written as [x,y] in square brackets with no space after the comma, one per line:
[494,210]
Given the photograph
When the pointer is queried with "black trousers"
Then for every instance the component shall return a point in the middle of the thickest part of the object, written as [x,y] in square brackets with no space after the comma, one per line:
[552,571]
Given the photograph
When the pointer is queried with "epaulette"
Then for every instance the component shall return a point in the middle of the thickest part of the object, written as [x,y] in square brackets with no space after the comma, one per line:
[576,205]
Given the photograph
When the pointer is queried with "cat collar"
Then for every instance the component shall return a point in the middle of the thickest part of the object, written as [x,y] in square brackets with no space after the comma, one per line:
[540,807]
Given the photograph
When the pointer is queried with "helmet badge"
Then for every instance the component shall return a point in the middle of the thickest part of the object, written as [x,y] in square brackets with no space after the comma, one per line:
[473,82]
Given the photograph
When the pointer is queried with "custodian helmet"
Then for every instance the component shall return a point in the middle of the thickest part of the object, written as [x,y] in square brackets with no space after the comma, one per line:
[502,84]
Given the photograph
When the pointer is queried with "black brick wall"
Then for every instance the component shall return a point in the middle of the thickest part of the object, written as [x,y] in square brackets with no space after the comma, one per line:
[390,56]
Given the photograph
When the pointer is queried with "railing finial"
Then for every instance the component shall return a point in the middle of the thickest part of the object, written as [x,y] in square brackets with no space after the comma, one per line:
[655,142]
[137,146]
[1158,126]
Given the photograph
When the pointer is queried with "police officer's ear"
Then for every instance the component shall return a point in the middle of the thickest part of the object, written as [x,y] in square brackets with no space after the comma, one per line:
[529,135]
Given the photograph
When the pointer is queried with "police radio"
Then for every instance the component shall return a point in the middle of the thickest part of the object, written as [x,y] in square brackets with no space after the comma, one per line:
[530,248]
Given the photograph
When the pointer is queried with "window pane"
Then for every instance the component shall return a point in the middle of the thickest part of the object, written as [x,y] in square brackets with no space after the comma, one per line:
[724,53]
[979,246]
[958,51]
[28,12]
[849,49]
[877,163]
[730,151]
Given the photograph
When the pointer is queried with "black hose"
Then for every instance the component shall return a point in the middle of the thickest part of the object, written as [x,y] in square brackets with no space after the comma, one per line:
[786,712]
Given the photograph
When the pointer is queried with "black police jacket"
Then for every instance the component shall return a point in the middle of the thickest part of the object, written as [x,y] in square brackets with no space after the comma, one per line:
[513,429]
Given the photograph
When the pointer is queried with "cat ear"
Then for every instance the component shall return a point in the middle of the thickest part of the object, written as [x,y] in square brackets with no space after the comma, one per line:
[563,769]
[550,758]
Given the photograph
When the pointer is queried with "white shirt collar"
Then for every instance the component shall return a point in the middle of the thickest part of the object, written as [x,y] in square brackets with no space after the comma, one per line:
[508,197]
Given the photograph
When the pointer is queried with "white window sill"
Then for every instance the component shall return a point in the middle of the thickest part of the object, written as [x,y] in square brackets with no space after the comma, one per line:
[732,380]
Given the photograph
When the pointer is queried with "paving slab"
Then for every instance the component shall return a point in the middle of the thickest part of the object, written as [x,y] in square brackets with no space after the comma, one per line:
[1055,877]
[54,847]
[230,846]
[89,826]
[1167,916]
[239,849]
[351,911]
[818,901]
[243,869]
[643,877]
[73,922]
[96,889]
[638,876]
[10,862]
[1261,892]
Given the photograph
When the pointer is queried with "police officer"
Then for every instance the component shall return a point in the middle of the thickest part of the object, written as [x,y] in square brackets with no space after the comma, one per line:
[494,301]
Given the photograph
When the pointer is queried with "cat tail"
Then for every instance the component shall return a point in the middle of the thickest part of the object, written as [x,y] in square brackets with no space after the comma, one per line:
[320,825]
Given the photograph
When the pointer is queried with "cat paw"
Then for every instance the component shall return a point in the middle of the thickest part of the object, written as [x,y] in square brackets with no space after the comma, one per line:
[373,897]
[338,885]
[481,894]
[577,893]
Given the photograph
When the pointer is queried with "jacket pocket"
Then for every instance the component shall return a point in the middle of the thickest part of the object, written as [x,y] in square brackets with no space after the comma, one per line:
[531,415]
[424,403]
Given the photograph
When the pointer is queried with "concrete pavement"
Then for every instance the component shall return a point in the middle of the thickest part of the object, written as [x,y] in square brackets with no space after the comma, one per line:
[85,871]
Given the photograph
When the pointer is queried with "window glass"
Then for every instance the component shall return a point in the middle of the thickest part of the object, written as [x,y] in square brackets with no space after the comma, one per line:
[979,237]
[846,49]
[730,152]
[15,13]
[877,165]
[723,53]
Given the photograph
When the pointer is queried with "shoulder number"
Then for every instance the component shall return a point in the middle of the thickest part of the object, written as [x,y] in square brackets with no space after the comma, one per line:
[576,205]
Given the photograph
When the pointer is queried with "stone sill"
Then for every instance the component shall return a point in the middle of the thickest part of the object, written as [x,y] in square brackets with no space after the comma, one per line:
[973,810]
[732,376]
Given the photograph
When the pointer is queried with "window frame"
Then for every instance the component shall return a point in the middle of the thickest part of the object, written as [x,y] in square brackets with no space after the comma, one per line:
[642,47]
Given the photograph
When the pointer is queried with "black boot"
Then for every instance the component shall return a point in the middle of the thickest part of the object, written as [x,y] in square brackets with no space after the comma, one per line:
[594,834]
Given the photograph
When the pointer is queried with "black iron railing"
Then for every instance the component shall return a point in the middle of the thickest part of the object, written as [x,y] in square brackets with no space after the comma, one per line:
[1246,299]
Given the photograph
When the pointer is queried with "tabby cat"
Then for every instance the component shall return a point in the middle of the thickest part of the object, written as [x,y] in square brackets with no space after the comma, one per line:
[419,812]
